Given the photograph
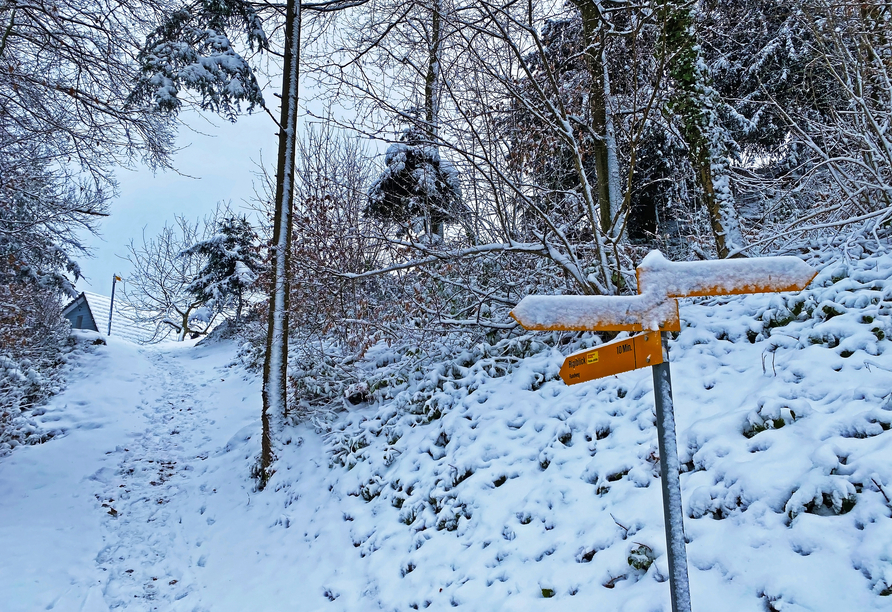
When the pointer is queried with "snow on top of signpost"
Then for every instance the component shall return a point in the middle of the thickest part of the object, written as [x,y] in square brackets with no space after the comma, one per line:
[597,312]
[659,281]
[722,277]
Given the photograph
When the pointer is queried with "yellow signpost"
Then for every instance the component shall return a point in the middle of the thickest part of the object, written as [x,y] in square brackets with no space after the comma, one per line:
[632,353]
[660,282]
[654,311]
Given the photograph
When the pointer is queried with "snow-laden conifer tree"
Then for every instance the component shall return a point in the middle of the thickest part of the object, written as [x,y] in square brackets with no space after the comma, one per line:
[232,265]
[418,189]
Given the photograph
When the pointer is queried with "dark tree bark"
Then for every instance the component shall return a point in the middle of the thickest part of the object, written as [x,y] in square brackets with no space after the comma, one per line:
[432,92]
[605,167]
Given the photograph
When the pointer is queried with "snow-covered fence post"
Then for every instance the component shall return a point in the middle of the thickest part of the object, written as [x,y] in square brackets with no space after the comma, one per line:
[655,309]
[669,477]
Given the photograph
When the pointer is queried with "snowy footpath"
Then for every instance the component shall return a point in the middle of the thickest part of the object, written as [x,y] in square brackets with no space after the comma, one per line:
[119,509]
[143,500]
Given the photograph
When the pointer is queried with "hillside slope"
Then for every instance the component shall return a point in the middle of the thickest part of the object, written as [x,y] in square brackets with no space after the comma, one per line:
[499,491]
[479,483]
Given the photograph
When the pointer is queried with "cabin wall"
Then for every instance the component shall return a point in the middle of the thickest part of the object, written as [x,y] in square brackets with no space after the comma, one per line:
[80,317]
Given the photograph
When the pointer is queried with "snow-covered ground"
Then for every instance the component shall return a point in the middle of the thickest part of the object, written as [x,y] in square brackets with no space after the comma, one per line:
[492,492]
[118,510]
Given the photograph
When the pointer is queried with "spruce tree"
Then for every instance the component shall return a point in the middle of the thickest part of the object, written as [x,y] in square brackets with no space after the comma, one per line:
[416,184]
[232,268]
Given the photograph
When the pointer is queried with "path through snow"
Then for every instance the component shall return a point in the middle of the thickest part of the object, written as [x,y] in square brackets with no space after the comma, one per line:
[126,497]
[156,475]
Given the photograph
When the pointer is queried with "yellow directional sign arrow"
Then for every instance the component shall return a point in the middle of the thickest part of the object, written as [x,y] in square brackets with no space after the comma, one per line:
[659,283]
[677,279]
[632,353]
[597,313]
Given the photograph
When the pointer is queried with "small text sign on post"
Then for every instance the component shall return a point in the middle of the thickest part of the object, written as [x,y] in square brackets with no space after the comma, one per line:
[638,351]
[654,311]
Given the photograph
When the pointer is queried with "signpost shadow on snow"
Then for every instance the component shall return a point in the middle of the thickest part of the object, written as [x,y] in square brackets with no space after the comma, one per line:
[654,311]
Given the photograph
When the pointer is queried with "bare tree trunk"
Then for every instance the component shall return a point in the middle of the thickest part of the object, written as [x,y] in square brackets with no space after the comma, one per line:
[695,103]
[590,12]
[275,364]
[432,94]
[434,69]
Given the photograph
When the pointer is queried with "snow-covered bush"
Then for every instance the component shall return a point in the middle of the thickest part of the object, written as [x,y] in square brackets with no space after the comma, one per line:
[413,338]
[32,336]
[42,210]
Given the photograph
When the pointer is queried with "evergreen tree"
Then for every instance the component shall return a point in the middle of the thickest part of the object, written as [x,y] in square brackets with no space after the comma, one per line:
[232,266]
[416,185]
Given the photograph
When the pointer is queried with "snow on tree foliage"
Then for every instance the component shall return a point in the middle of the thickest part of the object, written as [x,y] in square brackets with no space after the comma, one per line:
[192,49]
[43,210]
[40,213]
[657,189]
[233,265]
[66,68]
[417,186]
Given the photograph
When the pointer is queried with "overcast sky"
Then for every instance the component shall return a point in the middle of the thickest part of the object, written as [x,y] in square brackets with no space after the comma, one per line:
[219,161]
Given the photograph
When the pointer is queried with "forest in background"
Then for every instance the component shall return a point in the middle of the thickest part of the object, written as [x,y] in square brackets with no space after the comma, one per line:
[528,148]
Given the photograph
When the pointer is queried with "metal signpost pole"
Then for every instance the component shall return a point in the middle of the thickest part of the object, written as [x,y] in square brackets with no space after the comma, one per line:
[111,307]
[669,468]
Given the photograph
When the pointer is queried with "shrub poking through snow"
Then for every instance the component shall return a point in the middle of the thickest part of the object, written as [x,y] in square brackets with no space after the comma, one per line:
[641,558]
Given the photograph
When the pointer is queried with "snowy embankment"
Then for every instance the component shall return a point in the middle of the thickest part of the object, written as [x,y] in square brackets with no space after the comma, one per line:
[477,489]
